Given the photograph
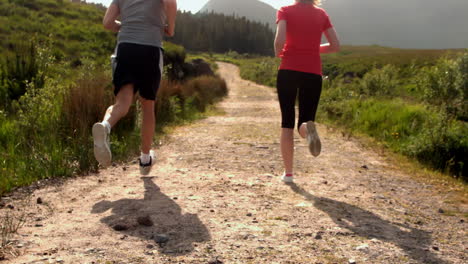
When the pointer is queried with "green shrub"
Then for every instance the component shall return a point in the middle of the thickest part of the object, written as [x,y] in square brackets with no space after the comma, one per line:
[442,145]
[380,82]
[444,85]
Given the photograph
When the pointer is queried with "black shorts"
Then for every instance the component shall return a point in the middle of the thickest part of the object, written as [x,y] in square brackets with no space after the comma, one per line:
[140,65]
[303,87]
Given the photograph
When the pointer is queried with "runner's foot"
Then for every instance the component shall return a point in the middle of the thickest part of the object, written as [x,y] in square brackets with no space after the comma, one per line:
[287,177]
[145,169]
[313,139]
[102,150]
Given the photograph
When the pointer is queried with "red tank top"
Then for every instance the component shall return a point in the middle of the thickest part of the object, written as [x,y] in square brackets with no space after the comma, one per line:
[305,26]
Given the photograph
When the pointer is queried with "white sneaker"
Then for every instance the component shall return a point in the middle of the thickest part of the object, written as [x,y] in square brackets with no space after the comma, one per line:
[145,169]
[102,150]
[287,178]
[313,139]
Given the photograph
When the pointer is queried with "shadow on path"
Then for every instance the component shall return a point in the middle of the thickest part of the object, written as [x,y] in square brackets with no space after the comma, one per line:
[363,223]
[182,230]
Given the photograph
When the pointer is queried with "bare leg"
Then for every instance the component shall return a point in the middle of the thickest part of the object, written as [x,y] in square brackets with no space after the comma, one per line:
[148,125]
[287,149]
[123,101]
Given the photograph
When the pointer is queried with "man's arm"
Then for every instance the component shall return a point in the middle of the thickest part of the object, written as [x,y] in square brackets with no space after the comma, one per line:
[109,21]
[170,8]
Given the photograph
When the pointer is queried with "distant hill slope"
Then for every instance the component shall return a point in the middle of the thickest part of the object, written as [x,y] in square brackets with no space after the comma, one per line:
[252,9]
[416,24]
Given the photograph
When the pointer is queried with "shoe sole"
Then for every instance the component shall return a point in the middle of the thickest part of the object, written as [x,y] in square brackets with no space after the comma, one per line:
[315,146]
[102,151]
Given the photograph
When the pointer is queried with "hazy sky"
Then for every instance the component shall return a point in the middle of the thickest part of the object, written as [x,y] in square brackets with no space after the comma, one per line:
[195,5]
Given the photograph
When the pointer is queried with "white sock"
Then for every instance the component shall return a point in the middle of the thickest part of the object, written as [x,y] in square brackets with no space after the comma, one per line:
[145,158]
[108,126]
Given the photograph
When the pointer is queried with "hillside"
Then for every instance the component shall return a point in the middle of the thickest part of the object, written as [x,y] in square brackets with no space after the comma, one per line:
[417,24]
[251,9]
[73,31]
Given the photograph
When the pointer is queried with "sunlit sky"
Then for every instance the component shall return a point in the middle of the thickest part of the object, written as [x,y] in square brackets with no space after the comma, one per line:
[195,5]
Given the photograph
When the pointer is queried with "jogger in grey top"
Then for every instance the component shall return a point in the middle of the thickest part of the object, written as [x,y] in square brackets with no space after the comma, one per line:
[142,21]
[138,69]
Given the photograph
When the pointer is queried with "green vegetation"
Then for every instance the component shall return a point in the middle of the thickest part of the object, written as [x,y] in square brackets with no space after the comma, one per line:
[412,101]
[75,30]
[52,93]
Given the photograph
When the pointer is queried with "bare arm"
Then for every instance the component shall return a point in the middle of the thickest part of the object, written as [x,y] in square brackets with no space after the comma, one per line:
[170,8]
[280,38]
[334,43]
[109,21]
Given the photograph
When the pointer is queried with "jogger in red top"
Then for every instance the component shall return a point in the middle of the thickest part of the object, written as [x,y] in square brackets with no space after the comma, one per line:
[298,44]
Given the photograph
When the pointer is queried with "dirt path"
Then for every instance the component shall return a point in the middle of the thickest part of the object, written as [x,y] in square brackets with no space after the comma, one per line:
[215,194]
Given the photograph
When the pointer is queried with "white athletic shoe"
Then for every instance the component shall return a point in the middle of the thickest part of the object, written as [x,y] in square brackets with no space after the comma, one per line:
[102,150]
[287,178]
[313,139]
[145,169]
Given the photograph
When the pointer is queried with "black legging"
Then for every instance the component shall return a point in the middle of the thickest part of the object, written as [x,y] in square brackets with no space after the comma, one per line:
[310,88]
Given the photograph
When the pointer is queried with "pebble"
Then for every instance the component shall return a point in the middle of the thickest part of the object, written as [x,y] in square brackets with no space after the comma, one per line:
[161,239]
[39,200]
[363,247]
[215,261]
[145,221]
[318,236]
[249,214]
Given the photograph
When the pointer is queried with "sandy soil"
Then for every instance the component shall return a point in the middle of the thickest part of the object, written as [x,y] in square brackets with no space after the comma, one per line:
[215,197]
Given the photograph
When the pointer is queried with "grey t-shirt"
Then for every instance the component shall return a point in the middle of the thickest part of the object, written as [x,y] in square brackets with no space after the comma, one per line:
[142,21]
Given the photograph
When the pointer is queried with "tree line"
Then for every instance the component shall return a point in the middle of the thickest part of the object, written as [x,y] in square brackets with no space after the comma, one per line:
[210,32]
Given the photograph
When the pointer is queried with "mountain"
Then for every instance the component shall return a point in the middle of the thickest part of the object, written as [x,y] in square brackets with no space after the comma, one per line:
[415,24]
[251,9]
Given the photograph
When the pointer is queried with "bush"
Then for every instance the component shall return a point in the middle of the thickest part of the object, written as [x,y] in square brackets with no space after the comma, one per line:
[444,85]
[380,82]
[181,100]
[442,145]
